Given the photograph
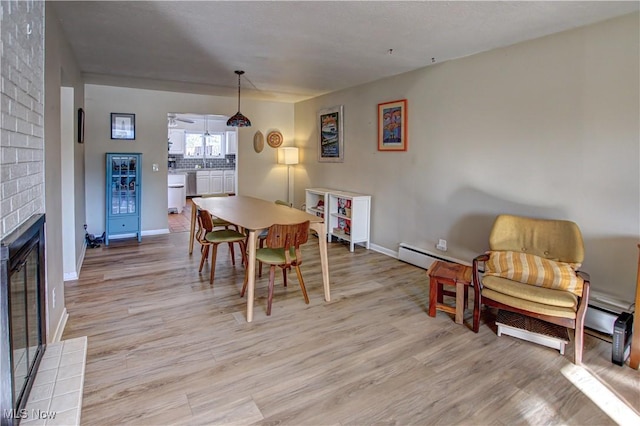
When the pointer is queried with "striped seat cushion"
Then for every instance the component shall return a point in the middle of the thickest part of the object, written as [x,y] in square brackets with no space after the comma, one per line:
[534,270]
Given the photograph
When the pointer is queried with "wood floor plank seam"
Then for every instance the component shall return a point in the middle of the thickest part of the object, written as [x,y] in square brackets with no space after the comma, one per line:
[165,347]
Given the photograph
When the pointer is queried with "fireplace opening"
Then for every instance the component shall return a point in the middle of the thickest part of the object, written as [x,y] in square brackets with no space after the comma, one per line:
[22,315]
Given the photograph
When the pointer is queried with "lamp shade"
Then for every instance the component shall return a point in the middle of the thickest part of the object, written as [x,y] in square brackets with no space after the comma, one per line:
[239,120]
[288,155]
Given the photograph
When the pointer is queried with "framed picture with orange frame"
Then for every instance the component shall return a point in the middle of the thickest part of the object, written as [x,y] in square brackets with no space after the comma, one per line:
[392,126]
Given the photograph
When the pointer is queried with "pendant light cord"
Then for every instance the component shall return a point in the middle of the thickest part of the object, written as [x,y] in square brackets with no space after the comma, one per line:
[239,91]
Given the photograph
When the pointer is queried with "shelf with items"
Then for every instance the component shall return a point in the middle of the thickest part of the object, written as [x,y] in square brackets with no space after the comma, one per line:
[123,195]
[349,217]
[316,200]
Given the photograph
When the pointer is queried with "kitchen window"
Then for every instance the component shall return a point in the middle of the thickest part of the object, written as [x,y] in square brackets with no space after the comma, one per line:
[204,145]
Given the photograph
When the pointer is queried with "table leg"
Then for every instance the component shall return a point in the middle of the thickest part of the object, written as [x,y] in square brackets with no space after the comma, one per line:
[251,272]
[460,291]
[320,228]
[433,295]
[192,230]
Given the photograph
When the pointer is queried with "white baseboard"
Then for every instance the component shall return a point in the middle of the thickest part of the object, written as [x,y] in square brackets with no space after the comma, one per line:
[155,232]
[57,335]
[81,258]
[383,250]
[74,275]
[70,276]
[144,233]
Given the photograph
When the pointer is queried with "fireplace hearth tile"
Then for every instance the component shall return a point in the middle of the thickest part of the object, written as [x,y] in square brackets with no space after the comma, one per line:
[57,391]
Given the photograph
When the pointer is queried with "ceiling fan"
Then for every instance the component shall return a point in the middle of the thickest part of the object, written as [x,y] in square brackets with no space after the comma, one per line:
[173,120]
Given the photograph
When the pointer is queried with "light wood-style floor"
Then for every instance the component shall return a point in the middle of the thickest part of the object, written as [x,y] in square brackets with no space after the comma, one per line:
[164,347]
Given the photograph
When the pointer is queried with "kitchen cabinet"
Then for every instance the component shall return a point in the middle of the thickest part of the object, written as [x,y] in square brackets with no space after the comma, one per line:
[209,182]
[229,181]
[176,137]
[232,142]
[123,192]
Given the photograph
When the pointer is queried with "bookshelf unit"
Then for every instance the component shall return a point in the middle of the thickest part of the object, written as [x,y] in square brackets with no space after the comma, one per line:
[347,214]
[316,200]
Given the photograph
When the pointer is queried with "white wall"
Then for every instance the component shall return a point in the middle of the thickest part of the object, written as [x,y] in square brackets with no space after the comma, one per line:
[258,174]
[60,70]
[67,174]
[547,128]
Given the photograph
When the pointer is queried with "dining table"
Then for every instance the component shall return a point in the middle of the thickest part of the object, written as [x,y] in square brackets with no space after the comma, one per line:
[254,215]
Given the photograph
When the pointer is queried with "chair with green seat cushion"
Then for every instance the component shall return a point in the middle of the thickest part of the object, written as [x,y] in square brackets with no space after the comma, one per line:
[283,250]
[221,223]
[263,235]
[210,237]
[531,269]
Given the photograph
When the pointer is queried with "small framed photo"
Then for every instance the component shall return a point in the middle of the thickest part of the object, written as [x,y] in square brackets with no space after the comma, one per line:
[330,129]
[123,126]
[392,126]
[80,125]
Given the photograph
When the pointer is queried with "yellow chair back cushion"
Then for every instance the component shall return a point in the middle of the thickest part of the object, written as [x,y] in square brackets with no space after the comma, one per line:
[558,240]
[534,270]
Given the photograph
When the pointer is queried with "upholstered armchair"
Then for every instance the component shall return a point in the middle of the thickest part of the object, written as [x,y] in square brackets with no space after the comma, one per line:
[531,269]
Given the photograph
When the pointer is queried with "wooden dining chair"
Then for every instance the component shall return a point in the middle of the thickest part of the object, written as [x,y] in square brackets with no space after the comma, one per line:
[263,236]
[221,223]
[210,237]
[283,250]
[216,220]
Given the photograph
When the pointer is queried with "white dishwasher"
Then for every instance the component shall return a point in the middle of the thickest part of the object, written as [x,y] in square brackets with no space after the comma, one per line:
[177,192]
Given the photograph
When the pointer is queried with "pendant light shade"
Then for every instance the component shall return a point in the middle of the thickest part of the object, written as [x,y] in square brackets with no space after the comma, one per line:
[239,120]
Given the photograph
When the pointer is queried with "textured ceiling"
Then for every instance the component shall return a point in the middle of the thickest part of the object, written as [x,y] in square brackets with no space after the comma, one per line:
[292,50]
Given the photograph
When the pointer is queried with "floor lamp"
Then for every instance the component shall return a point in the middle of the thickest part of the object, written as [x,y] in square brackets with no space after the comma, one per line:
[288,156]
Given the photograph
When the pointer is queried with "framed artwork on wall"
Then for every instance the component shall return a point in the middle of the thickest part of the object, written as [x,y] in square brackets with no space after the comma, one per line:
[80,125]
[123,126]
[392,126]
[330,131]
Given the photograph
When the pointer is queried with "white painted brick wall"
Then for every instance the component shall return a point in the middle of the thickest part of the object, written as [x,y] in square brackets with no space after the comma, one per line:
[21,112]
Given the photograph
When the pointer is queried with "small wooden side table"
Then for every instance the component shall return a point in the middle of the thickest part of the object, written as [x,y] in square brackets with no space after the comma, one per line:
[453,274]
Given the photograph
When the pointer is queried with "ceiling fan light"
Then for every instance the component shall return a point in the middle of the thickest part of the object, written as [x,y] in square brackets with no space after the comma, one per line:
[239,120]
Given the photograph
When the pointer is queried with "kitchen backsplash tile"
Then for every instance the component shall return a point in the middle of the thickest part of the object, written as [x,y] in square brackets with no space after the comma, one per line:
[209,163]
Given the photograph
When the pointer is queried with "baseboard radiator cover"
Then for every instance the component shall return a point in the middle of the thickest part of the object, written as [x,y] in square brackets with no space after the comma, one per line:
[603,310]
[423,258]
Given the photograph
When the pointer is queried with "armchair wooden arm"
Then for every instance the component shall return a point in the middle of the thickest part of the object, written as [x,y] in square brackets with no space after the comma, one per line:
[477,286]
[580,315]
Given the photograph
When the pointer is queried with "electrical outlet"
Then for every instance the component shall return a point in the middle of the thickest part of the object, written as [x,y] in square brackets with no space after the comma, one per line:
[442,245]
[53,297]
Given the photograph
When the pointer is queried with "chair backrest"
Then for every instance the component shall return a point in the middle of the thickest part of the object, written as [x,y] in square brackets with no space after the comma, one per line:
[287,236]
[558,240]
[205,221]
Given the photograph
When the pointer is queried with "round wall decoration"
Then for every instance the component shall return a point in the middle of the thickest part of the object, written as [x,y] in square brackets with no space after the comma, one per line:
[258,142]
[274,139]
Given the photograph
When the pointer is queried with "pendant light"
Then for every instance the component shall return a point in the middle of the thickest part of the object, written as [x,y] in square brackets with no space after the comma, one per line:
[239,120]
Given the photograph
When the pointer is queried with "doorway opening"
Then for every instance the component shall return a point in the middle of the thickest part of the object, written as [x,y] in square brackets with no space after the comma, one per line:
[202,153]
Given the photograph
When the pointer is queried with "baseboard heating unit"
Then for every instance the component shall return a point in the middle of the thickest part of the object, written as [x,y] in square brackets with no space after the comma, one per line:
[610,319]
[603,310]
[423,258]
